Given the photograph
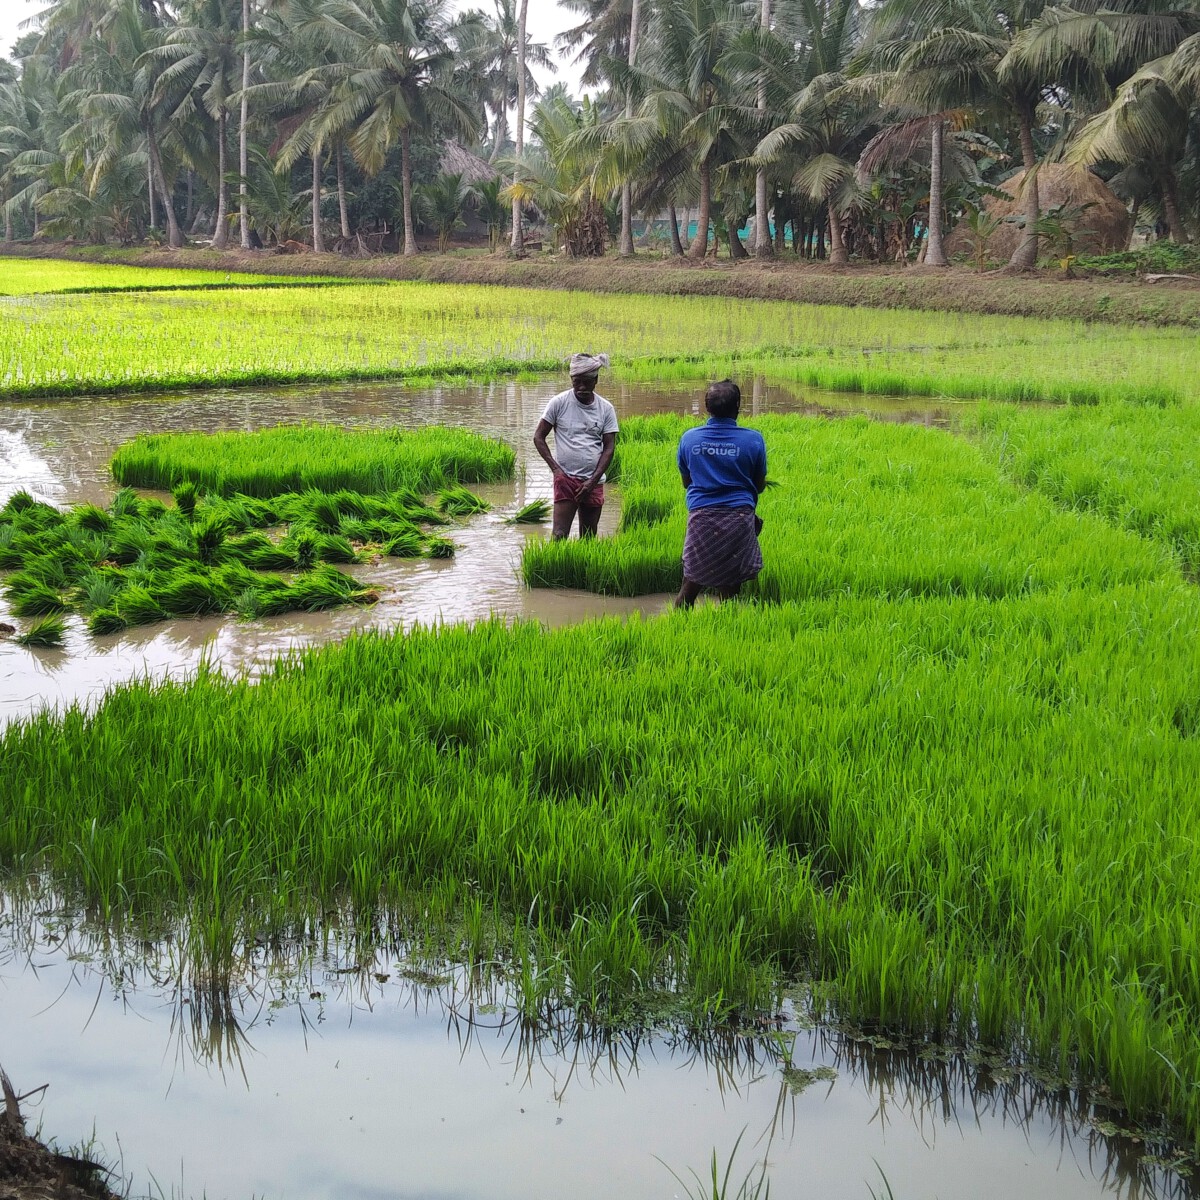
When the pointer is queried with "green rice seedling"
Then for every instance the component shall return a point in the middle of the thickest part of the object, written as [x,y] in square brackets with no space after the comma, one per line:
[209,535]
[323,587]
[337,549]
[648,508]
[321,512]
[129,541]
[404,545]
[535,512]
[126,503]
[136,605]
[187,593]
[248,604]
[98,589]
[105,620]
[29,596]
[48,632]
[307,549]
[185,495]
[457,501]
[321,460]
[20,501]
[245,547]
[91,518]
[273,557]
[439,547]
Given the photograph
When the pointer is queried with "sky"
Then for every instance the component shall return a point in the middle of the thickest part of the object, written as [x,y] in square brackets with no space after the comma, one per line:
[545,18]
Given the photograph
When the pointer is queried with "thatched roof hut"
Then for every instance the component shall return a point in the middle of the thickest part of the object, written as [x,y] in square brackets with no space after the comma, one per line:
[456,160]
[1104,225]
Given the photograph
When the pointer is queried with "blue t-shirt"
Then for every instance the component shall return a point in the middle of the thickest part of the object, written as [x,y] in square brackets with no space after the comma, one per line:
[724,459]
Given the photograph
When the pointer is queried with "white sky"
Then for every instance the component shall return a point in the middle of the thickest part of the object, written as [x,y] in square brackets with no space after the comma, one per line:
[545,19]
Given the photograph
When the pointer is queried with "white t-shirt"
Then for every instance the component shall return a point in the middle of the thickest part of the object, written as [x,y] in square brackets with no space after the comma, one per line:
[579,431]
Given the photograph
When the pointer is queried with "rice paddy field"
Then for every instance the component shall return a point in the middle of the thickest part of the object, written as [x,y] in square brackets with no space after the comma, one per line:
[927,792]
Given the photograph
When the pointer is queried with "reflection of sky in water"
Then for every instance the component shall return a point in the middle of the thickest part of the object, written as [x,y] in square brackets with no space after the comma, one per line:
[60,451]
[364,1084]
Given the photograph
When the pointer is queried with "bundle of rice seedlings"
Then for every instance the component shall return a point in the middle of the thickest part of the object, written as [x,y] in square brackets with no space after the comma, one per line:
[322,512]
[243,547]
[97,590]
[532,513]
[404,545]
[47,632]
[439,547]
[190,594]
[458,501]
[105,620]
[126,503]
[30,596]
[185,498]
[274,599]
[248,604]
[307,548]
[89,517]
[272,557]
[210,540]
[337,549]
[350,503]
[325,587]
[129,541]
[18,502]
[136,605]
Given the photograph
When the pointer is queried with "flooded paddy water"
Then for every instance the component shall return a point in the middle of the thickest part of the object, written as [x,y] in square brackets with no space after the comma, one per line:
[338,1078]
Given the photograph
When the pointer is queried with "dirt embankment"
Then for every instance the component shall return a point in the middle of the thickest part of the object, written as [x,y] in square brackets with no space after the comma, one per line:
[957,289]
[31,1171]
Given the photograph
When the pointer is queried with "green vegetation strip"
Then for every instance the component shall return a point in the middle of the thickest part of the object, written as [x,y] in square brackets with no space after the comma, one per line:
[862,507]
[294,457]
[21,276]
[70,345]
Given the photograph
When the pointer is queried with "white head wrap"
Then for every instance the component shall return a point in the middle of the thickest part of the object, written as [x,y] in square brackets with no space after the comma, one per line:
[587,364]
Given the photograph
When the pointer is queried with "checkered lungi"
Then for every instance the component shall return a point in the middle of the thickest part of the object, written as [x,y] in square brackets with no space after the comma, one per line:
[721,548]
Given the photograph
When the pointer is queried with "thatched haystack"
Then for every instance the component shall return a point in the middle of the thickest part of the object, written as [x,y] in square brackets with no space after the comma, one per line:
[1105,226]
[456,160]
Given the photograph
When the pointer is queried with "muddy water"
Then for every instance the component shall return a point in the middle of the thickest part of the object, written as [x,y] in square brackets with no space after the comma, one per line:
[348,1084]
[60,452]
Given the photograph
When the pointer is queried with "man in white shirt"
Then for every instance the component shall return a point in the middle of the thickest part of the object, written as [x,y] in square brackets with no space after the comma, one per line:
[585,435]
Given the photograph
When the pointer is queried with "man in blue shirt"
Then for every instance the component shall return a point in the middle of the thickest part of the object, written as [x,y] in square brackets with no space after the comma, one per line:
[724,469]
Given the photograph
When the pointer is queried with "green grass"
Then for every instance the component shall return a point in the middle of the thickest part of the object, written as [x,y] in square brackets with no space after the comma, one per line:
[23,277]
[861,507]
[71,345]
[1136,467]
[290,458]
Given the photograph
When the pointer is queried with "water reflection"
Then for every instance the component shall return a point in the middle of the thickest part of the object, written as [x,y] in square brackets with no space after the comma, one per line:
[60,451]
[410,1046]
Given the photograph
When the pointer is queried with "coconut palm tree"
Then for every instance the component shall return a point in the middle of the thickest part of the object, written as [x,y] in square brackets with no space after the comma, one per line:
[200,63]
[395,73]
[517,244]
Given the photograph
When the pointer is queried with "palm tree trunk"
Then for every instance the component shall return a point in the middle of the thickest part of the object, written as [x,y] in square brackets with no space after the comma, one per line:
[501,133]
[189,210]
[1133,216]
[318,238]
[673,220]
[174,237]
[627,187]
[699,246]
[410,233]
[150,190]
[1170,195]
[517,245]
[837,245]
[221,231]
[762,223]
[935,250]
[243,135]
[8,222]
[1025,256]
[343,214]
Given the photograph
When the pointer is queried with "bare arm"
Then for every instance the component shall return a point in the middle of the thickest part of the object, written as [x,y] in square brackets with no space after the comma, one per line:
[541,446]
